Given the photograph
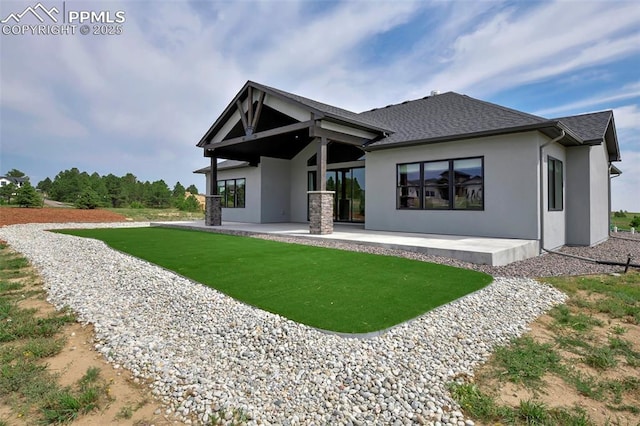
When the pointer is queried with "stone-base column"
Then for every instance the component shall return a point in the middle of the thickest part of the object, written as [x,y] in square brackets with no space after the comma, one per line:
[213,210]
[321,212]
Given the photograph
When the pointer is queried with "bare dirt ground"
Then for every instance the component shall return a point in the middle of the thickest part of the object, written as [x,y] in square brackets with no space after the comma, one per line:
[554,392]
[14,215]
[128,399]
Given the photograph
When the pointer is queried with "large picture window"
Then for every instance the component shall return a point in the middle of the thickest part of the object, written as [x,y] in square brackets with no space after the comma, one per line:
[456,184]
[555,183]
[232,192]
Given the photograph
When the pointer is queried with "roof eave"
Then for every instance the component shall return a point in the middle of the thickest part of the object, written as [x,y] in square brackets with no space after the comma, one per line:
[615,171]
[614,152]
[317,114]
[573,139]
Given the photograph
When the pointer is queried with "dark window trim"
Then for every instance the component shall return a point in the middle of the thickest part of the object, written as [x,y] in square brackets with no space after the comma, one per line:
[553,186]
[236,204]
[451,188]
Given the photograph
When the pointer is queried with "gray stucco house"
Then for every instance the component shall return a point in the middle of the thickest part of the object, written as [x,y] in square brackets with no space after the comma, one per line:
[443,164]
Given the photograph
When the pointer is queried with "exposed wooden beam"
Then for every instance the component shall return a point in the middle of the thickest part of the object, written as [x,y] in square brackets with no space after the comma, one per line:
[253,160]
[242,116]
[317,131]
[249,110]
[213,188]
[321,157]
[256,116]
[260,135]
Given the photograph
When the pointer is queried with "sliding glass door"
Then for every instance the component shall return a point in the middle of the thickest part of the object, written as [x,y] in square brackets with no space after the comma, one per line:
[349,188]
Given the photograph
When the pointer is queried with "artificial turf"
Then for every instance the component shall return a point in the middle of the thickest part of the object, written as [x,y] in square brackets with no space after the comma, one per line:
[329,289]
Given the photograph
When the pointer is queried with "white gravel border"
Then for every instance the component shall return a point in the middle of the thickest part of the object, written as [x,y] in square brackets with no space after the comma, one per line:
[202,351]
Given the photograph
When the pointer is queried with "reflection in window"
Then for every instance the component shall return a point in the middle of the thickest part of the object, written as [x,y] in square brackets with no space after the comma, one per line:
[232,192]
[445,185]
[436,185]
[555,183]
[468,184]
[240,184]
[408,186]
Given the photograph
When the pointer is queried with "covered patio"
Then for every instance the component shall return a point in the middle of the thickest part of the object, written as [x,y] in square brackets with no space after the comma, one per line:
[263,122]
[480,250]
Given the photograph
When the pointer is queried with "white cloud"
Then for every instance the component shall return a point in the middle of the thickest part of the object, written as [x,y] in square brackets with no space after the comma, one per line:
[627,118]
[553,39]
[628,91]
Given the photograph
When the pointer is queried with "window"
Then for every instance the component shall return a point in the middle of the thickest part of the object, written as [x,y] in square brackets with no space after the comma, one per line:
[232,192]
[555,184]
[436,185]
[409,186]
[441,185]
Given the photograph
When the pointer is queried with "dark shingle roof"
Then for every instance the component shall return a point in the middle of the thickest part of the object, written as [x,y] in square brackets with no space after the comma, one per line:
[16,180]
[589,127]
[446,115]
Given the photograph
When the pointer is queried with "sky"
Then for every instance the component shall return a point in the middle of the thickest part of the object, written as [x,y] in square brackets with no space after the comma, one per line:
[140,100]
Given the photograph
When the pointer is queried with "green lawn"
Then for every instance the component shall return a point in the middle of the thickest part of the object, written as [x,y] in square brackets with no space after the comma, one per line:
[326,288]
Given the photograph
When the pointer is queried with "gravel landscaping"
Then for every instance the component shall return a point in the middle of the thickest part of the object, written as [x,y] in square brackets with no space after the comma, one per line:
[204,353]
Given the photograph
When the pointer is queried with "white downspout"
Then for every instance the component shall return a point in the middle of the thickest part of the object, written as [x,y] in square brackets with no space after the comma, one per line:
[562,135]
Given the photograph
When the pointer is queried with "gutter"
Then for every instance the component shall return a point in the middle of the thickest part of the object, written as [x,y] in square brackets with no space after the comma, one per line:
[562,135]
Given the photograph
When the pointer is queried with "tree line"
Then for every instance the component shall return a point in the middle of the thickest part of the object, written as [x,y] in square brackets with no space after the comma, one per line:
[90,191]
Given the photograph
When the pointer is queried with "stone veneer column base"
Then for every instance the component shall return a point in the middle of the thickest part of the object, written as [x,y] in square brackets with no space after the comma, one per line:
[213,210]
[321,212]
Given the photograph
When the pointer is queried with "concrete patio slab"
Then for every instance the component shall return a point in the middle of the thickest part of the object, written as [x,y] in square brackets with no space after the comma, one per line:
[481,250]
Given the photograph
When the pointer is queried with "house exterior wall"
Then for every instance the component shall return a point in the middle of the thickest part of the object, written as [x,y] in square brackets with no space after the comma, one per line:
[275,190]
[578,199]
[252,210]
[599,179]
[299,184]
[511,180]
[554,221]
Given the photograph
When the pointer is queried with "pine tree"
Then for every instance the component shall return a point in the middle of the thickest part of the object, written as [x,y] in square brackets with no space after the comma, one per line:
[15,173]
[88,199]
[7,191]
[28,196]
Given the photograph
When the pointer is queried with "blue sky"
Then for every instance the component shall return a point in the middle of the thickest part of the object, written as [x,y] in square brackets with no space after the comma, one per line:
[139,101]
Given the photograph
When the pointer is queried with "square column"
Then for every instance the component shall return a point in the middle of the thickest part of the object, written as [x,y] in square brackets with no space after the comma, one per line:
[321,212]
[213,210]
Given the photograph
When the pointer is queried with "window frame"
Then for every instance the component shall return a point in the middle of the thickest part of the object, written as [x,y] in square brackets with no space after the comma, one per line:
[555,185]
[451,189]
[399,187]
[236,199]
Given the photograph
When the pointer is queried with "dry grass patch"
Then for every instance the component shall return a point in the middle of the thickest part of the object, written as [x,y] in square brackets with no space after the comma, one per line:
[579,365]
[49,372]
